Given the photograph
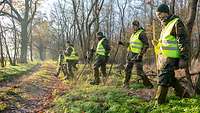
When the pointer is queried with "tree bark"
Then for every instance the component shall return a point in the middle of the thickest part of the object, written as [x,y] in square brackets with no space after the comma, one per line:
[1,49]
[190,23]
[172,6]
[7,49]
[24,42]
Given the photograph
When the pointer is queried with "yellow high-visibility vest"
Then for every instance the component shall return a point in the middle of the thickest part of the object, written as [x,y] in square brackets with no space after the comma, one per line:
[136,44]
[100,49]
[73,55]
[168,45]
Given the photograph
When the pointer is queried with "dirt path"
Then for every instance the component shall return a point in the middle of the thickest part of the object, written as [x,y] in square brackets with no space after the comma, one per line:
[33,92]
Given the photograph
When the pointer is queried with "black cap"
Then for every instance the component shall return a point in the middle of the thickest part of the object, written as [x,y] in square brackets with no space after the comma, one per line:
[163,8]
[136,23]
[99,34]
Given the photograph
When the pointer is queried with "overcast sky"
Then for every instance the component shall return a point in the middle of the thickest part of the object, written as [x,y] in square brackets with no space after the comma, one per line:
[46,6]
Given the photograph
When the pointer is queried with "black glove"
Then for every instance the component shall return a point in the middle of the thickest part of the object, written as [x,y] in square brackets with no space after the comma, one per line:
[139,57]
[120,43]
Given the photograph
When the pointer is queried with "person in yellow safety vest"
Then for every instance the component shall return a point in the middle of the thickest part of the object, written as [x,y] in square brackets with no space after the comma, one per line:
[172,52]
[101,57]
[61,67]
[71,58]
[137,46]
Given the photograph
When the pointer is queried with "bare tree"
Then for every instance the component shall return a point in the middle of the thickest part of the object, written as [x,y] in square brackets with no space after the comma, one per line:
[24,19]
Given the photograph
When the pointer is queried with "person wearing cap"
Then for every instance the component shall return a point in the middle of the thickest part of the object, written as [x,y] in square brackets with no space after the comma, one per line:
[172,52]
[71,58]
[101,58]
[137,46]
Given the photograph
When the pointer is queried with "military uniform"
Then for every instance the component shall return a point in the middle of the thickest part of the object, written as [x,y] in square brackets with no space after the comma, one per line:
[101,58]
[137,46]
[71,58]
[172,47]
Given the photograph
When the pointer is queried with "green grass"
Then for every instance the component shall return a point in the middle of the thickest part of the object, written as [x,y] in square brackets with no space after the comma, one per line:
[97,99]
[9,72]
[85,98]
[177,105]
[110,99]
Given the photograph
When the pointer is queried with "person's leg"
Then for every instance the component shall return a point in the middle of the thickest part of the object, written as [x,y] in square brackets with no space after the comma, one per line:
[96,66]
[103,69]
[58,70]
[128,69]
[65,71]
[70,71]
[74,65]
[142,75]
[165,78]
[179,89]
[161,94]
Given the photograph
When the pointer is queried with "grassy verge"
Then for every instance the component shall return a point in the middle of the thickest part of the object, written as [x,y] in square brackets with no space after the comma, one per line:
[9,72]
[97,99]
[111,98]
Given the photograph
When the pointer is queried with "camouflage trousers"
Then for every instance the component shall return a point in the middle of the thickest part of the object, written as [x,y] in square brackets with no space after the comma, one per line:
[166,76]
[70,68]
[139,71]
[100,62]
[61,68]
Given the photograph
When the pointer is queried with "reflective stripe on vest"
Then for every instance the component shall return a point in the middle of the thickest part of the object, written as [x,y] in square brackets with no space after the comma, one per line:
[168,43]
[135,45]
[73,55]
[100,49]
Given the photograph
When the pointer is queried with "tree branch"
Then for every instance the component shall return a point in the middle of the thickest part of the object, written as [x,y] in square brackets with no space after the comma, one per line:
[15,11]
[8,14]
[33,14]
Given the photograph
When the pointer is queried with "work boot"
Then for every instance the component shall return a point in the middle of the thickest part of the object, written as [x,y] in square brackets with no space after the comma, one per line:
[96,80]
[180,91]
[161,94]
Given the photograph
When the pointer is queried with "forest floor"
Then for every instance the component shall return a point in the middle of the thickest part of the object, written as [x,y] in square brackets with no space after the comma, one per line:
[40,91]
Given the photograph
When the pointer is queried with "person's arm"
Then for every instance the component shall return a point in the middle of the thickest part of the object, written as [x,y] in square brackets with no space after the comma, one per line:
[182,40]
[145,42]
[106,46]
[68,51]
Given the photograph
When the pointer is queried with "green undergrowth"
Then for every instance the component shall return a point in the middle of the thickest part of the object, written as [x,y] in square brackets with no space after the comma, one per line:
[97,99]
[111,98]
[177,105]
[9,72]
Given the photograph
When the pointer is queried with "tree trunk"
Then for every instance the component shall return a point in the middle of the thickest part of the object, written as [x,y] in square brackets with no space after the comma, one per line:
[1,50]
[15,43]
[7,50]
[190,23]
[172,6]
[31,47]
[198,31]
[192,15]
[197,88]
[24,42]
